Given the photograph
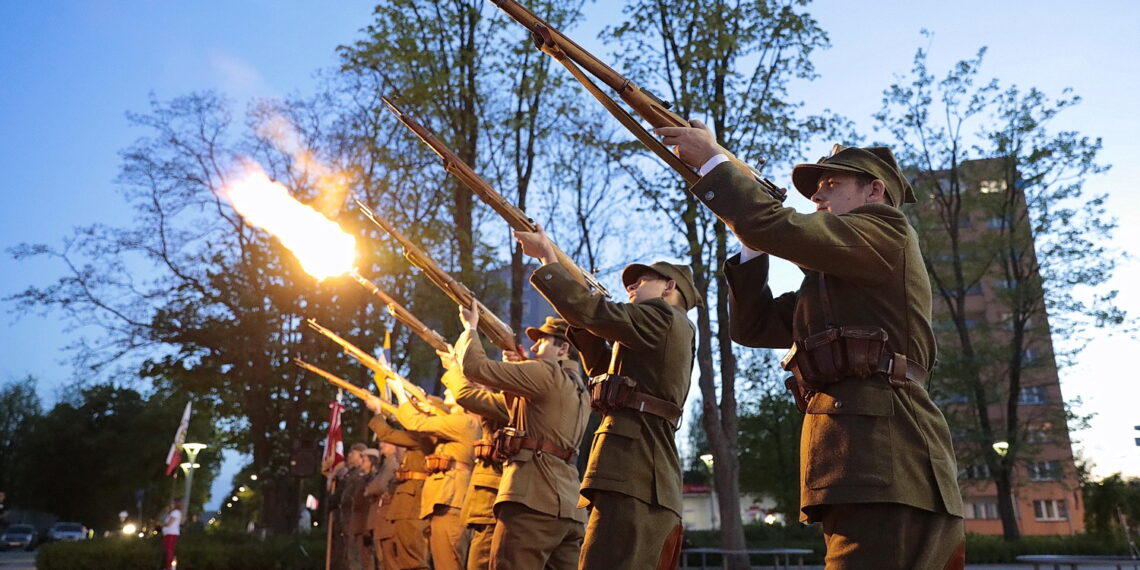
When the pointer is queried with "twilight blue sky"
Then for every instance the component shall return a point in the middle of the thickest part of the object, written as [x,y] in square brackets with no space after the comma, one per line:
[69,70]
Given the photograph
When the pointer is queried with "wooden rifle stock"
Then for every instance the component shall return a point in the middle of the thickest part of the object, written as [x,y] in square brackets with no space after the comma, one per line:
[516,218]
[496,330]
[368,360]
[345,384]
[405,316]
[655,111]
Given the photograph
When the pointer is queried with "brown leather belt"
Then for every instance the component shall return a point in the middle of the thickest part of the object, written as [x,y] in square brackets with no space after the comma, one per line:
[539,446]
[899,369]
[651,405]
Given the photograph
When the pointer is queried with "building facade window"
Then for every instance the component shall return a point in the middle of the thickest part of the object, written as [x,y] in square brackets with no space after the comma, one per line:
[1050,510]
[975,471]
[991,186]
[1044,470]
[1032,395]
[982,510]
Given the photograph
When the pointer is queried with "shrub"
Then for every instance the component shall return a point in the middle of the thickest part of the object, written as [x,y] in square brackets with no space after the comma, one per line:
[196,552]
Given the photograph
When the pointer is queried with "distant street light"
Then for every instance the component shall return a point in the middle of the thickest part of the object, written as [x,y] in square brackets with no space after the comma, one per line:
[1001,447]
[192,450]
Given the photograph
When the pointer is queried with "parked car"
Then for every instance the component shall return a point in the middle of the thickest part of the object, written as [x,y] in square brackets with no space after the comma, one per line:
[67,531]
[18,536]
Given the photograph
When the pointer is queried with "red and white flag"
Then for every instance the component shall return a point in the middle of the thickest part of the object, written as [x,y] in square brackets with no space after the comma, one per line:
[334,444]
[174,456]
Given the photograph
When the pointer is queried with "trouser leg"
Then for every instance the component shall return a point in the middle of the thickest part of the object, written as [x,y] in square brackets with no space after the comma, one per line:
[625,533]
[889,536]
[411,544]
[448,544]
[526,539]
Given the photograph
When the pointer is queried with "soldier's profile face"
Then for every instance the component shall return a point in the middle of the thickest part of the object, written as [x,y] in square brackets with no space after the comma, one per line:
[648,286]
[545,349]
[839,193]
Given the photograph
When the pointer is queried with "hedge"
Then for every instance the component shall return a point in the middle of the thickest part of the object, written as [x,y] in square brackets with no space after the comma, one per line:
[198,552]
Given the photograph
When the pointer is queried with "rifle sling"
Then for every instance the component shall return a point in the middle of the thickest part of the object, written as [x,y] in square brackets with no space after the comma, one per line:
[627,120]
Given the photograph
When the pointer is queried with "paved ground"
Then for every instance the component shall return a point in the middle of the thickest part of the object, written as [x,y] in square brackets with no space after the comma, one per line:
[17,560]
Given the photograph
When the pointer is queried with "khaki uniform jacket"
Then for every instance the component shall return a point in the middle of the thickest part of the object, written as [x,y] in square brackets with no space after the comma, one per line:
[406,497]
[455,435]
[552,405]
[479,506]
[862,441]
[379,487]
[632,452]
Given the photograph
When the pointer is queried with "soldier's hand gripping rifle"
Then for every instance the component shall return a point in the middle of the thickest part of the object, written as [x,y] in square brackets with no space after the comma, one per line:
[369,361]
[516,218]
[405,316]
[655,111]
[348,386]
[496,330]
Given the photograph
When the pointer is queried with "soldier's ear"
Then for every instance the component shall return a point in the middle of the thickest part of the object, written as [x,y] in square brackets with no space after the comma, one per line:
[670,286]
[878,192]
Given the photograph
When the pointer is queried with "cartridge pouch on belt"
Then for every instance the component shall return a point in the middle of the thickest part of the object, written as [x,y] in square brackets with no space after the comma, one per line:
[835,353]
[407,475]
[484,451]
[439,463]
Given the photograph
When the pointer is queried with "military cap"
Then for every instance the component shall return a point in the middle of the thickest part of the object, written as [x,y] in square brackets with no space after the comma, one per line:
[875,161]
[682,274]
[552,327]
[372,451]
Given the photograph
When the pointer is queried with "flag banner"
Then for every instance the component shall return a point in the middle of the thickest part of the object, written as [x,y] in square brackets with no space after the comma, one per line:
[174,456]
[334,445]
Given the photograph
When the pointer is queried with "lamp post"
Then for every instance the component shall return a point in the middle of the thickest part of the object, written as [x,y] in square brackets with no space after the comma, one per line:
[707,459]
[192,450]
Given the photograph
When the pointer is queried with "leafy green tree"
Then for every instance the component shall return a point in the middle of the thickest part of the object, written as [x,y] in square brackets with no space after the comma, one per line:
[769,439]
[732,63]
[1007,217]
[86,458]
[1110,503]
[19,407]
[193,299]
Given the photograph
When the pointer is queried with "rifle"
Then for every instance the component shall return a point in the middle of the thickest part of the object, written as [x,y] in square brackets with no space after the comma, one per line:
[516,218]
[342,383]
[651,108]
[496,330]
[405,316]
[366,359]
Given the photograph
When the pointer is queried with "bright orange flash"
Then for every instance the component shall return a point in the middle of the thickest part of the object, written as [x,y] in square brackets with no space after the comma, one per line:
[323,249]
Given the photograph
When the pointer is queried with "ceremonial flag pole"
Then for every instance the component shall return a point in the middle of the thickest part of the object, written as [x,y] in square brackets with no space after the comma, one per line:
[333,456]
[174,456]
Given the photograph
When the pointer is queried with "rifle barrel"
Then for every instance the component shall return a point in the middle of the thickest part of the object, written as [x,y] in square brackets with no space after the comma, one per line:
[515,217]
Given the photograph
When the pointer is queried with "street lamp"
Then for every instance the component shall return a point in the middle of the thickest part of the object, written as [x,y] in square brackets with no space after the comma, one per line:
[192,450]
[1001,447]
[707,459]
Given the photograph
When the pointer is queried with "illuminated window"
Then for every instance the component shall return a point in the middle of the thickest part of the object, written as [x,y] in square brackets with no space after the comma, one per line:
[991,186]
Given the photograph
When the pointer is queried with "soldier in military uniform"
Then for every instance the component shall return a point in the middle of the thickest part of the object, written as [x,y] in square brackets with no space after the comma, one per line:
[379,493]
[539,522]
[408,547]
[478,507]
[877,465]
[449,475]
[639,383]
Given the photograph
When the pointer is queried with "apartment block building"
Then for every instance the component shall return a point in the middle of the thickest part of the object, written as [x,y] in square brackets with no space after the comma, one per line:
[979,246]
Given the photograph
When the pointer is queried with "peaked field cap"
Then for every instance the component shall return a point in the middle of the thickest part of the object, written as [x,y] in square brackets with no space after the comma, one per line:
[682,274]
[875,161]
[373,452]
[554,327]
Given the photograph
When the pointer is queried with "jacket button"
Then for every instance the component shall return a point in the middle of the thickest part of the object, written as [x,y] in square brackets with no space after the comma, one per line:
[838,404]
[548,276]
[710,195]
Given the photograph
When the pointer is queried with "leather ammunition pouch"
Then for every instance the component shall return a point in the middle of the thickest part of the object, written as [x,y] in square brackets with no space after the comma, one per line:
[836,353]
[484,451]
[407,475]
[609,392]
[510,441]
[441,463]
